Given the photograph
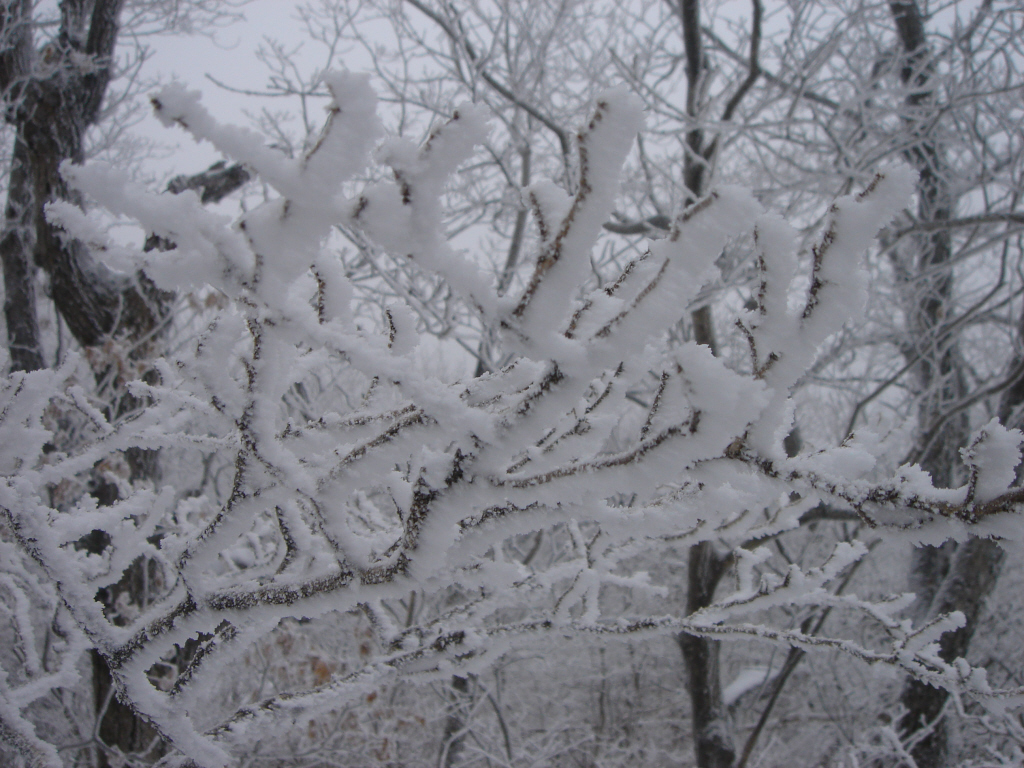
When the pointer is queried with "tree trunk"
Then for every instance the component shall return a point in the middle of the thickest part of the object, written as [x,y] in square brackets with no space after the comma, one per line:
[712,727]
[455,723]
[973,570]
[16,248]
[950,577]
[51,98]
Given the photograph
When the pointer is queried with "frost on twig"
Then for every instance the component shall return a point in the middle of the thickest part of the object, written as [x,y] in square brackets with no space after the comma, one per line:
[418,484]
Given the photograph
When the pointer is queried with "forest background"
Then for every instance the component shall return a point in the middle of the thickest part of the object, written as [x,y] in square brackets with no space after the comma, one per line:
[500,429]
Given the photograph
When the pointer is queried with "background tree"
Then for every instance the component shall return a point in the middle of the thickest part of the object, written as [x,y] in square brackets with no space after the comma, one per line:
[923,92]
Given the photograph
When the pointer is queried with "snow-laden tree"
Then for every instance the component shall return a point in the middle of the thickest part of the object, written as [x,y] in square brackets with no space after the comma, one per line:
[799,100]
[419,484]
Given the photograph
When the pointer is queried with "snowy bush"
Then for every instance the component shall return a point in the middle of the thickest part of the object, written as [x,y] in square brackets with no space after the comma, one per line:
[420,484]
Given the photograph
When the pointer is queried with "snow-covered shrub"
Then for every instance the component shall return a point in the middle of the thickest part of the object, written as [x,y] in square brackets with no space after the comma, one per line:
[420,485]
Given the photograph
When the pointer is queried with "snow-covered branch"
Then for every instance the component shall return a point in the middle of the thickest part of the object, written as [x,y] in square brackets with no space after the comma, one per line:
[419,483]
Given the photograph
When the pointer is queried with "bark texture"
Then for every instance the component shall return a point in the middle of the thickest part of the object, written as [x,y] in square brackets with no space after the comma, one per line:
[51,97]
[712,728]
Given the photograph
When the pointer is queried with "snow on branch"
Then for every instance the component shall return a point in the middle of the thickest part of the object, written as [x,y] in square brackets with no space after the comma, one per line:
[418,483]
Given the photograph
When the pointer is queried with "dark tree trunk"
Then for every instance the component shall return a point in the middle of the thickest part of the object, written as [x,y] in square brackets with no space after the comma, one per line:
[712,728]
[950,577]
[16,248]
[51,97]
[455,723]
[714,745]
[973,570]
